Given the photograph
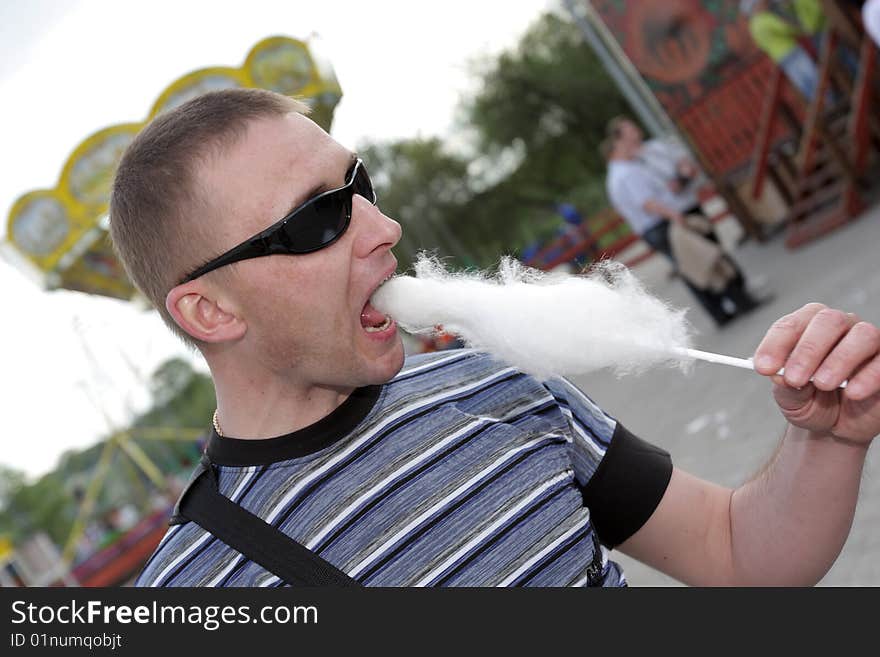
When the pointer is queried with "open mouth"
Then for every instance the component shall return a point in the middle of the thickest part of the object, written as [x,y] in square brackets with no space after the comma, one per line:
[373,321]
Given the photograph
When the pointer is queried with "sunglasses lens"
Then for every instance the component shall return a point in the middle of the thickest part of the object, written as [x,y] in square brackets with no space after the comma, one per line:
[320,222]
[317,224]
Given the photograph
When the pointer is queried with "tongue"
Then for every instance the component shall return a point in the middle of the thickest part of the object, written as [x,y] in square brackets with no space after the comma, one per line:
[371,317]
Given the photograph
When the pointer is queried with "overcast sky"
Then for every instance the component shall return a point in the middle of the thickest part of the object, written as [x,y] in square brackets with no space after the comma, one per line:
[69,68]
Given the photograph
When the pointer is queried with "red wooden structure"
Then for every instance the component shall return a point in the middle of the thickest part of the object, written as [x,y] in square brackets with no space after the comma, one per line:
[825,175]
[122,559]
[755,127]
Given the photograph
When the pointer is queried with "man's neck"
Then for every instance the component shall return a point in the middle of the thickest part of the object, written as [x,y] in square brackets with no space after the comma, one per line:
[258,407]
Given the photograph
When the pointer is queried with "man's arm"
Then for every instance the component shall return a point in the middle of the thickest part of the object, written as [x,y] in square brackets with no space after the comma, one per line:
[787,525]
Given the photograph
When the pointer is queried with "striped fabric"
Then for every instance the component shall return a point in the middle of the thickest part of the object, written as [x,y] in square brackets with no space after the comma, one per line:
[465,472]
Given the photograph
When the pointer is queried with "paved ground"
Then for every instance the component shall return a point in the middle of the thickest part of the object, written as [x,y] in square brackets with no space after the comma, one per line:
[719,422]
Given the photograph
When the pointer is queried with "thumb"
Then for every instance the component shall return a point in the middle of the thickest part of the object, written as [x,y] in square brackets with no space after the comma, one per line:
[792,399]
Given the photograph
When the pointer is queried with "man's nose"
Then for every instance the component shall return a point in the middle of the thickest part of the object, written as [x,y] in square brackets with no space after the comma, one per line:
[372,228]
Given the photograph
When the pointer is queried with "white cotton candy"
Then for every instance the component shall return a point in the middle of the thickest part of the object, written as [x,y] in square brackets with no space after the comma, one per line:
[544,324]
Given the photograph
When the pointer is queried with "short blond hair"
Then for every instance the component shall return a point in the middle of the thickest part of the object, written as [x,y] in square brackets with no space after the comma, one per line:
[159,220]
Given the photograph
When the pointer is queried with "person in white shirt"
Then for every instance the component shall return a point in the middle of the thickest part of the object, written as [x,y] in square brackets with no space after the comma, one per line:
[650,186]
[672,162]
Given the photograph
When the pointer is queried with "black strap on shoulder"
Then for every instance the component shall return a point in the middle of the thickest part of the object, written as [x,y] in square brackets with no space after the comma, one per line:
[256,539]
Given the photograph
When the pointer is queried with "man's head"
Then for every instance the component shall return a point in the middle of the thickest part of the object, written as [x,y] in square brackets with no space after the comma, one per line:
[162,221]
[623,138]
[212,174]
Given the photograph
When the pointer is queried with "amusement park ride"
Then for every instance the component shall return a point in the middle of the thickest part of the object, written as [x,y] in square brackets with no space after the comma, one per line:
[60,237]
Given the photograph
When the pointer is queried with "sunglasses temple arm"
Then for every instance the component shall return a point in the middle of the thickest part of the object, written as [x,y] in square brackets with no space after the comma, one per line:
[254,247]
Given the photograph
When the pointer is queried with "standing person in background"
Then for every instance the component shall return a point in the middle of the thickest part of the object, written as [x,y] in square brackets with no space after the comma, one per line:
[646,199]
[780,38]
[669,159]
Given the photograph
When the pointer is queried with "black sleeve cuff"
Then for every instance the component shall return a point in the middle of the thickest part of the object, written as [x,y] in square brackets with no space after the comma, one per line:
[626,487]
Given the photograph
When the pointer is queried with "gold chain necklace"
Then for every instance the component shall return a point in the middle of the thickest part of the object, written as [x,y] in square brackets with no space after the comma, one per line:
[217,424]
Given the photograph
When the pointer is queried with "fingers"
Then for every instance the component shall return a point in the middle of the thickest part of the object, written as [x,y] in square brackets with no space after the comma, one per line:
[824,346]
[859,345]
[819,338]
[774,350]
[792,399]
[866,382]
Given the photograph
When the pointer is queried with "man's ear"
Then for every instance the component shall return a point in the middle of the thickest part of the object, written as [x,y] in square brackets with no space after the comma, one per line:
[203,315]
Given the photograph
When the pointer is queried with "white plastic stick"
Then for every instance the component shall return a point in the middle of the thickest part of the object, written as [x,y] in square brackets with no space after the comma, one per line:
[744,363]
[709,357]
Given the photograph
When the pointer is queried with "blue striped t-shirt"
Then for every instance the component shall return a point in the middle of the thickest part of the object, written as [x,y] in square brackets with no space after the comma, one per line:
[460,471]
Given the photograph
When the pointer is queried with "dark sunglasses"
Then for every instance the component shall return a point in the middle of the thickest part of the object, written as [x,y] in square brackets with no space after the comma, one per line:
[317,223]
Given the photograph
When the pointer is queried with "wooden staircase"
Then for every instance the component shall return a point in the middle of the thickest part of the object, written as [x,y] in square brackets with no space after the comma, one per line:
[823,170]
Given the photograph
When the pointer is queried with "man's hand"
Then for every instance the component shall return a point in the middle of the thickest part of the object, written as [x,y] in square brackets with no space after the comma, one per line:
[820,348]
[787,525]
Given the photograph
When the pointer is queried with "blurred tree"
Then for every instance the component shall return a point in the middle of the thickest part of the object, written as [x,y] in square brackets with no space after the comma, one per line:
[10,481]
[181,399]
[533,129]
[42,505]
[548,99]
[423,186]
[169,380]
[552,95]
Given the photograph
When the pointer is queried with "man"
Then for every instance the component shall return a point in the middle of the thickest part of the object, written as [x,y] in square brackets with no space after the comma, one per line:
[668,158]
[449,468]
[650,189]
